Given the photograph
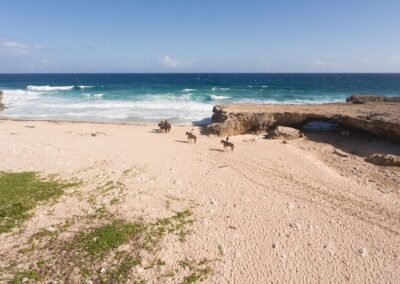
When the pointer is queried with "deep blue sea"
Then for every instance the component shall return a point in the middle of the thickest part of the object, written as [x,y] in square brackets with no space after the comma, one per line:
[182,98]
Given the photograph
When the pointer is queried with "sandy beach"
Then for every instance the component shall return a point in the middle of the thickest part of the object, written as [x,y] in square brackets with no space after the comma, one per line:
[309,210]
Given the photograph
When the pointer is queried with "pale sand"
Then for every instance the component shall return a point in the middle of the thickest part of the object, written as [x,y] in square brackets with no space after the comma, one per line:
[271,212]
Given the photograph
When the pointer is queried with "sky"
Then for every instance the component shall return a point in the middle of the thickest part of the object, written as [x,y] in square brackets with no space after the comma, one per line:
[69,36]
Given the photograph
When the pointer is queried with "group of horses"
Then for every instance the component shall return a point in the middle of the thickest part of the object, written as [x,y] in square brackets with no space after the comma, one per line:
[165,126]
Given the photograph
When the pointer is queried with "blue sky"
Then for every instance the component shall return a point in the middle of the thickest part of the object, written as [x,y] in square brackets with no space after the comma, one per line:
[200,36]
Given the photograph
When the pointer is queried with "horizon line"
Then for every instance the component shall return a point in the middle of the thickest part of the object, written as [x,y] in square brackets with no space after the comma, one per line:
[188,73]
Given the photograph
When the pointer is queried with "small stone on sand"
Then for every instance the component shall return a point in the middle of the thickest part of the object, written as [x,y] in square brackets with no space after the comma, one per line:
[362,251]
[176,182]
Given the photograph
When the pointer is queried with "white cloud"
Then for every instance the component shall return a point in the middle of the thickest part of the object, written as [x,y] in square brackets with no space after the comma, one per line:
[169,62]
[18,46]
[321,63]
[15,44]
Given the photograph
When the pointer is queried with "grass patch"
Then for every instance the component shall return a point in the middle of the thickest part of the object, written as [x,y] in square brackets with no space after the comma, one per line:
[110,250]
[198,270]
[103,239]
[115,200]
[21,192]
[25,276]
[122,271]
[90,248]
[177,224]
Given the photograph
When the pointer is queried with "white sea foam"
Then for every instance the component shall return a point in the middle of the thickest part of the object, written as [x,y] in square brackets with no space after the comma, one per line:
[220,89]
[19,96]
[86,87]
[49,88]
[44,105]
[215,97]
[93,95]
[180,108]
[188,90]
[296,101]
[264,86]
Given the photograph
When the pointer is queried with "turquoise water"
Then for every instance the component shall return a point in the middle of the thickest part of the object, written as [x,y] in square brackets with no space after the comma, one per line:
[182,98]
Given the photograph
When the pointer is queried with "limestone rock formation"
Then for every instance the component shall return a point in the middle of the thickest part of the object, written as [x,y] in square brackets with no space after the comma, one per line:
[384,160]
[362,99]
[282,132]
[377,116]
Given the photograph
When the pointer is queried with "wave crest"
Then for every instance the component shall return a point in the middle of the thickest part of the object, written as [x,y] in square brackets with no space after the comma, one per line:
[49,88]
[220,89]
[215,97]
[93,95]
[188,90]
[85,87]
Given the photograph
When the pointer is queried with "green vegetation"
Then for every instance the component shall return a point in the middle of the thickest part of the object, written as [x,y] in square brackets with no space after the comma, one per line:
[176,224]
[199,270]
[121,273]
[107,249]
[121,243]
[24,276]
[101,240]
[97,247]
[21,192]
[115,200]
[111,185]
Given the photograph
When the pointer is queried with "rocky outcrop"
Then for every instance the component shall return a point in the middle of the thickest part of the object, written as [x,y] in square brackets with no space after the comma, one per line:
[384,160]
[375,115]
[362,99]
[1,99]
[283,132]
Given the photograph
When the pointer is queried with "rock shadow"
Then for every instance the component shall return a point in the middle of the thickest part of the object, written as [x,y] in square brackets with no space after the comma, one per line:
[359,142]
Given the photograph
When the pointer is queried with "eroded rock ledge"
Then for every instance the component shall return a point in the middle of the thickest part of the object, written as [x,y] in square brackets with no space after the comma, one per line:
[376,114]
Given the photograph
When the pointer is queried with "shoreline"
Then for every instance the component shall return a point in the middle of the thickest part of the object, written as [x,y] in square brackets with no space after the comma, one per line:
[94,122]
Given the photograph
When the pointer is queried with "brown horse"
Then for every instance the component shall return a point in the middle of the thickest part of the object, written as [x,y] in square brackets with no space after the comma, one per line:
[227,144]
[191,136]
[165,126]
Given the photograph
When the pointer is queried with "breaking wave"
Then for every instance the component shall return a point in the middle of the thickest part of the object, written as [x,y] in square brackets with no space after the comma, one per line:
[220,89]
[42,105]
[215,97]
[85,87]
[93,95]
[49,88]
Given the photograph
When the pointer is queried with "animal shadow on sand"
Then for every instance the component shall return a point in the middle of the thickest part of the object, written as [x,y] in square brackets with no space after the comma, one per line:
[216,150]
[182,141]
[156,130]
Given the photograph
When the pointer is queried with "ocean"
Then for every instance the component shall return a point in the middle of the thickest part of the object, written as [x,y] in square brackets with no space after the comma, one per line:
[181,98]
